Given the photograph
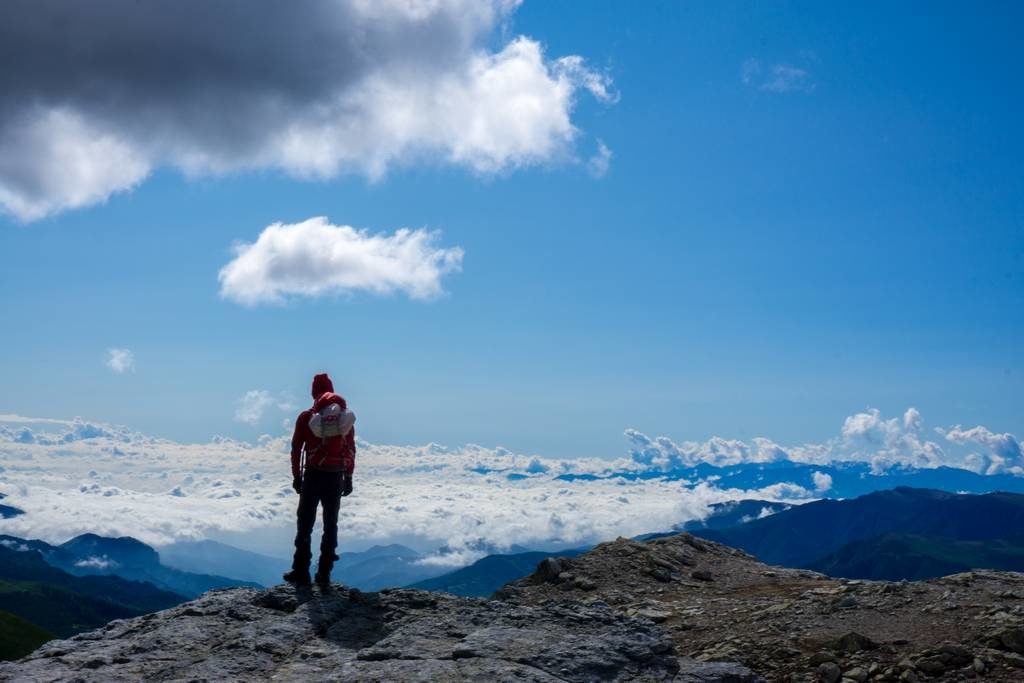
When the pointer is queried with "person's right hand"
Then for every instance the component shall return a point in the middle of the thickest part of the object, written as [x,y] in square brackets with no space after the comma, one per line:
[297,484]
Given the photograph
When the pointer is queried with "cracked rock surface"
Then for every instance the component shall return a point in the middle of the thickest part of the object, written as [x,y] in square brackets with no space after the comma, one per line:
[301,634]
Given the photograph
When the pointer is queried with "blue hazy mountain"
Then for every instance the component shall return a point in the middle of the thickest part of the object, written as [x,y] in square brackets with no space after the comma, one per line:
[805,534]
[490,573]
[894,557]
[849,479]
[212,557]
[384,566]
[725,515]
[126,557]
[65,604]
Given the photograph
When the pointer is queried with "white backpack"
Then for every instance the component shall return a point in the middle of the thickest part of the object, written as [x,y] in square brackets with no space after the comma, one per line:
[332,421]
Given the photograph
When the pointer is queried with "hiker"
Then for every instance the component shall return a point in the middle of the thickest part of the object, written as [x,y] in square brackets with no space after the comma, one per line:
[325,436]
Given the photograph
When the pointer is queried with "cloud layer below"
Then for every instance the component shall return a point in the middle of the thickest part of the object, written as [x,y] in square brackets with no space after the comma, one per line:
[82,477]
[103,95]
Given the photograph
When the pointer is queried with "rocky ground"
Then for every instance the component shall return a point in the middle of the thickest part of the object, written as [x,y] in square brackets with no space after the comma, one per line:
[671,609]
[342,634]
[719,604]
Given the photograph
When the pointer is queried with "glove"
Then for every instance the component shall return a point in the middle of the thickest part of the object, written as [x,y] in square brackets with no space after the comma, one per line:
[346,484]
[297,484]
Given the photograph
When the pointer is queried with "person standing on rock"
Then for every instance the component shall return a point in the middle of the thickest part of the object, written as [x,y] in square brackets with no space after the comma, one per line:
[323,459]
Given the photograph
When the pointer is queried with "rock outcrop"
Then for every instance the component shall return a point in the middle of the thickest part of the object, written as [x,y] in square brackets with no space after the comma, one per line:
[342,634]
[670,609]
[720,604]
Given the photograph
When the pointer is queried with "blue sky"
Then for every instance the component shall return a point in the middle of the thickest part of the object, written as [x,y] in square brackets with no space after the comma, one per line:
[762,257]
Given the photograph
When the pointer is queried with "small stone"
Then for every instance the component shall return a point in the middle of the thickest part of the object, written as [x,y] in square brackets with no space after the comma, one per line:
[932,666]
[978,665]
[908,676]
[660,574]
[585,584]
[702,575]
[548,569]
[857,674]
[821,657]
[853,642]
[1012,639]
[829,672]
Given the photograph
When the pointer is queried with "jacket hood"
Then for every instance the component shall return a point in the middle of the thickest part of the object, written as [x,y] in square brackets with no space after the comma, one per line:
[321,385]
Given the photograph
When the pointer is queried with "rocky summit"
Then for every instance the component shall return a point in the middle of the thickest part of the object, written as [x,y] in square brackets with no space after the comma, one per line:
[717,603]
[671,609]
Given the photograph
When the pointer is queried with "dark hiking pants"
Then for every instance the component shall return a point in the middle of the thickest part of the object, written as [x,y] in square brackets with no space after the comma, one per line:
[318,488]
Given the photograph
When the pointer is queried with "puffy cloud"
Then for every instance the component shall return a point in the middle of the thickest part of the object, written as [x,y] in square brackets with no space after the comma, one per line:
[106,94]
[251,405]
[822,481]
[120,360]
[1004,450]
[864,437]
[315,258]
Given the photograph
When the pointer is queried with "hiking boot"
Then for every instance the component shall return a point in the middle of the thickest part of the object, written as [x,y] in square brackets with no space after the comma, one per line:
[323,578]
[297,577]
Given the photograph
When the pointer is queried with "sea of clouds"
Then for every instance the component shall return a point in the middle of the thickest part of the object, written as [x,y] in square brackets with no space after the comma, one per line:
[72,477]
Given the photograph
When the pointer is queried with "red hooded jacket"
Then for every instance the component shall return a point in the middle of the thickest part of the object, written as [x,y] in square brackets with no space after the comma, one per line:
[340,456]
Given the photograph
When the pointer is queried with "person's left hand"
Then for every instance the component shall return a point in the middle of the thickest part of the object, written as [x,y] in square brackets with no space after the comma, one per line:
[297,484]
[346,484]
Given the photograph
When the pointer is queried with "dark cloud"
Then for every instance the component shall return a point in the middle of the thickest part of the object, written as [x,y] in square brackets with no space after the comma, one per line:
[313,87]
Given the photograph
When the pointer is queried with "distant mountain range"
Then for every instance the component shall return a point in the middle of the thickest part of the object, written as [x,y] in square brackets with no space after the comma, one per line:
[902,533]
[126,557]
[490,573]
[63,604]
[211,557]
[895,557]
[378,567]
[848,479]
[725,515]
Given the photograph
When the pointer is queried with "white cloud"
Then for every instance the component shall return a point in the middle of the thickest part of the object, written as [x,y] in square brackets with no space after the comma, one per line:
[251,405]
[460,498]
[788,78]
[94,562]
[121,360]
[598,164]
[864,437]
[1004,450]
[777,78]
[470,500]
[317,89]
[315,258]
